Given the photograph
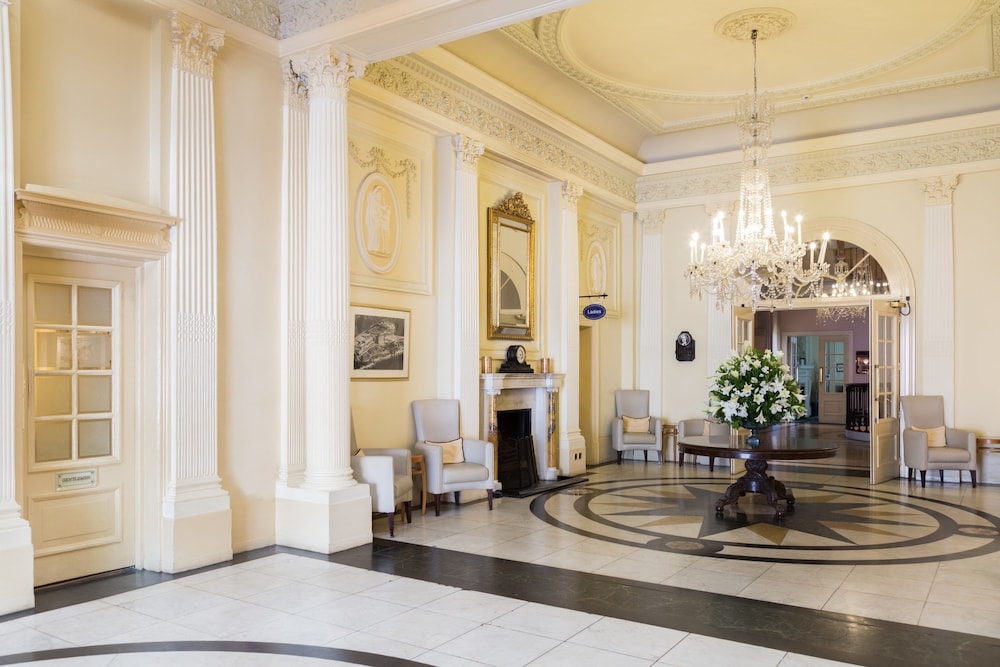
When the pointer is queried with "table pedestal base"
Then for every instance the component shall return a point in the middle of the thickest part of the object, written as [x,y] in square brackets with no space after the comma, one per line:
[756,480]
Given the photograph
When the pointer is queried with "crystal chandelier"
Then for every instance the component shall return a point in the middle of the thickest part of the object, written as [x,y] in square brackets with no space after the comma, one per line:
[756,266]
[845,286]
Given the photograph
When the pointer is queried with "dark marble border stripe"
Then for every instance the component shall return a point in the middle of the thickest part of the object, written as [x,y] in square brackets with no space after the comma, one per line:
[823,634]
[300,650]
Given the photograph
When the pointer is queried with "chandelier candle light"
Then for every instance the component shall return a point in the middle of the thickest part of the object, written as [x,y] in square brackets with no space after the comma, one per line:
[756,266]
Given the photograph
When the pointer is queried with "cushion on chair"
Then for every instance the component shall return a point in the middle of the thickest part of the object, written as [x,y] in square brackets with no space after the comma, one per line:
[451,451]
[948,455]
[644,438]
[636,424]
[935,436]
[402,486]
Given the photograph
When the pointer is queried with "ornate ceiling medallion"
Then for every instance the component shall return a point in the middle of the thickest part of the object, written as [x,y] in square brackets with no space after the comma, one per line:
[769,22]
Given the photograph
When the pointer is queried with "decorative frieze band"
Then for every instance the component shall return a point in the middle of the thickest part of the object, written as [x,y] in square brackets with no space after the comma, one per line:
[195,45]
[938,150]
[410,79]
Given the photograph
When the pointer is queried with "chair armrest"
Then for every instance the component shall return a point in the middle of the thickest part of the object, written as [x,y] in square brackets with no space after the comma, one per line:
[617,432]
[960,437]
[915,448]
[478,451]
[656,427]
[433,465]
[376,472]
[401,461]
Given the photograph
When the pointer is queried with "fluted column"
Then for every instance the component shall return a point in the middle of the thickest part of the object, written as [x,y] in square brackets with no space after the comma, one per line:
[327,342]
[649,374]
[16,552]
[466,281]
[194,495]
[936,304]
[294,279]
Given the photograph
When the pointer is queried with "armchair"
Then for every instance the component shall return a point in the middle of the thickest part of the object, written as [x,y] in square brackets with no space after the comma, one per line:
[388,476]
[701,426]
[929,445]
[437,425]
[641,432]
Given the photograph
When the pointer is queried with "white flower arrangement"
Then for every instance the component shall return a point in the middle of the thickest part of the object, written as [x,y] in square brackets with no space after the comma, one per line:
[754,389]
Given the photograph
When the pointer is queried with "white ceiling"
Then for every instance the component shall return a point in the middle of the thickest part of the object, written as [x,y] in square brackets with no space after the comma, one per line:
[659,79]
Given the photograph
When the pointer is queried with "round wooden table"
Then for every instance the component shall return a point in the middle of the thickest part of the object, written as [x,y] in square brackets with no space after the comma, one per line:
[777,445]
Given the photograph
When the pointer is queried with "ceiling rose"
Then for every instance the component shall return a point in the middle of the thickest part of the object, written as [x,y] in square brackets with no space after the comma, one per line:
[769,22]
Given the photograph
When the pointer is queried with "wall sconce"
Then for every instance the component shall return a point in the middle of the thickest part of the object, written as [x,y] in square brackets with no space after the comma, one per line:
[903,306]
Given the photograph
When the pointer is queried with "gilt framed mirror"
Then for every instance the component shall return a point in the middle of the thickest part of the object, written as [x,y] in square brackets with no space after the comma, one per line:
[510,297]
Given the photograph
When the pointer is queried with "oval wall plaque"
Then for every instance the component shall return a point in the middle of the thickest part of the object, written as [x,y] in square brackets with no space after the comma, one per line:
[594,311]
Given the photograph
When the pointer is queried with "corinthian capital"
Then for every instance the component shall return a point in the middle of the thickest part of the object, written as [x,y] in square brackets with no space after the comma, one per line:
[328,73]
[468,151]
[652,221]
[295,91]
[939,190]
[194,44]
[571,193]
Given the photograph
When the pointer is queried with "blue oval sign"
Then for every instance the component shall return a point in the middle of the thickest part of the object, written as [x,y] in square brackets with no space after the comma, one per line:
[595,311]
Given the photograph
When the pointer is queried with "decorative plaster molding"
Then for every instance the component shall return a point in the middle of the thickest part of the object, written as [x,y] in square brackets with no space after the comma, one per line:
[296,92]
[195,45]
[769,22]
[298,16]
[260,15]
[58,217]
[514,205]
[468,151]
[571,193]
[327,73]
[412,80]
[652,221]
[887,157]
[380,162]
[939,190]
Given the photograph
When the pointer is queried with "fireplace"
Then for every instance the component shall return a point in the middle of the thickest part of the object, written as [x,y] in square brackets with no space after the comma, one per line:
[517,467]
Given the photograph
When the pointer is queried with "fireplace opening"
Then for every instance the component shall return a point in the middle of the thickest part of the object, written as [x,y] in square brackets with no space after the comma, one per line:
[516,465]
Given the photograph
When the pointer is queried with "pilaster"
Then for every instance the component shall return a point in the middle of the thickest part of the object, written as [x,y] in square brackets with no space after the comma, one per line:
[936,308]
[328,511]
[16,551]
[197,519]
[564,334]
[649,374]
[466,279]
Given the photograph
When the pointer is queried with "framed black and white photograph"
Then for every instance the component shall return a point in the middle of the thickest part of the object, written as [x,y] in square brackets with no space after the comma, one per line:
[381,339]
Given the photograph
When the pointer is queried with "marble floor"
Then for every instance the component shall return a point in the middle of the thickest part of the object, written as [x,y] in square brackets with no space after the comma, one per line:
[631,567]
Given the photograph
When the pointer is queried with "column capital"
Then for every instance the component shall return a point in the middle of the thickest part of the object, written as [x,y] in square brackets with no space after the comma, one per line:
[468,151]
[195,45]
[296,93]
[571,193]
[652,221]
[939,189]
[328,73]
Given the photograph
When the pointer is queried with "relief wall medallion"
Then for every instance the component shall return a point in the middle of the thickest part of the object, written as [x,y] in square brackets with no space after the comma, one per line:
[376,223]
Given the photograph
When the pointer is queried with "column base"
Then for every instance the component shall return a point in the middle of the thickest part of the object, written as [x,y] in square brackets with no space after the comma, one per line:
[197,532]
[323,521]
[573,455]
[17,570]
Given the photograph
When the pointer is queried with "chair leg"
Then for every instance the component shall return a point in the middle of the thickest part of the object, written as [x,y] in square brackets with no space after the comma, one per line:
[923,478]
[973,474]
[437,504]
[392,521]
[711,464]
[407,509]
[620,458]
[456,500]
[489,497]
[942,475]
[645,455]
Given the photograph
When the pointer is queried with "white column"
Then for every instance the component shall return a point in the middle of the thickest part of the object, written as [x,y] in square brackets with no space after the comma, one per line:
[649,374]
[563,337]
[936,304]
[466,282]
[329,511]
[295,128]
[197,518]
[16,552]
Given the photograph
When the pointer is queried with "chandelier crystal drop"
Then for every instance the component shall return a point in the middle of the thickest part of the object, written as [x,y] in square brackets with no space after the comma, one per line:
[756,267]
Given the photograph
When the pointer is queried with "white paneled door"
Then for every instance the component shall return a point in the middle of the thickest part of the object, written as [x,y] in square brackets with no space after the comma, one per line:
[78,471]
[833,379]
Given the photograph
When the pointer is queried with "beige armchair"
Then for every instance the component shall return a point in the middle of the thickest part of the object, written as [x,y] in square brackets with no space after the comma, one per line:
[929,445]
[439,440]
[387,473]
[633,429]
[701,426]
